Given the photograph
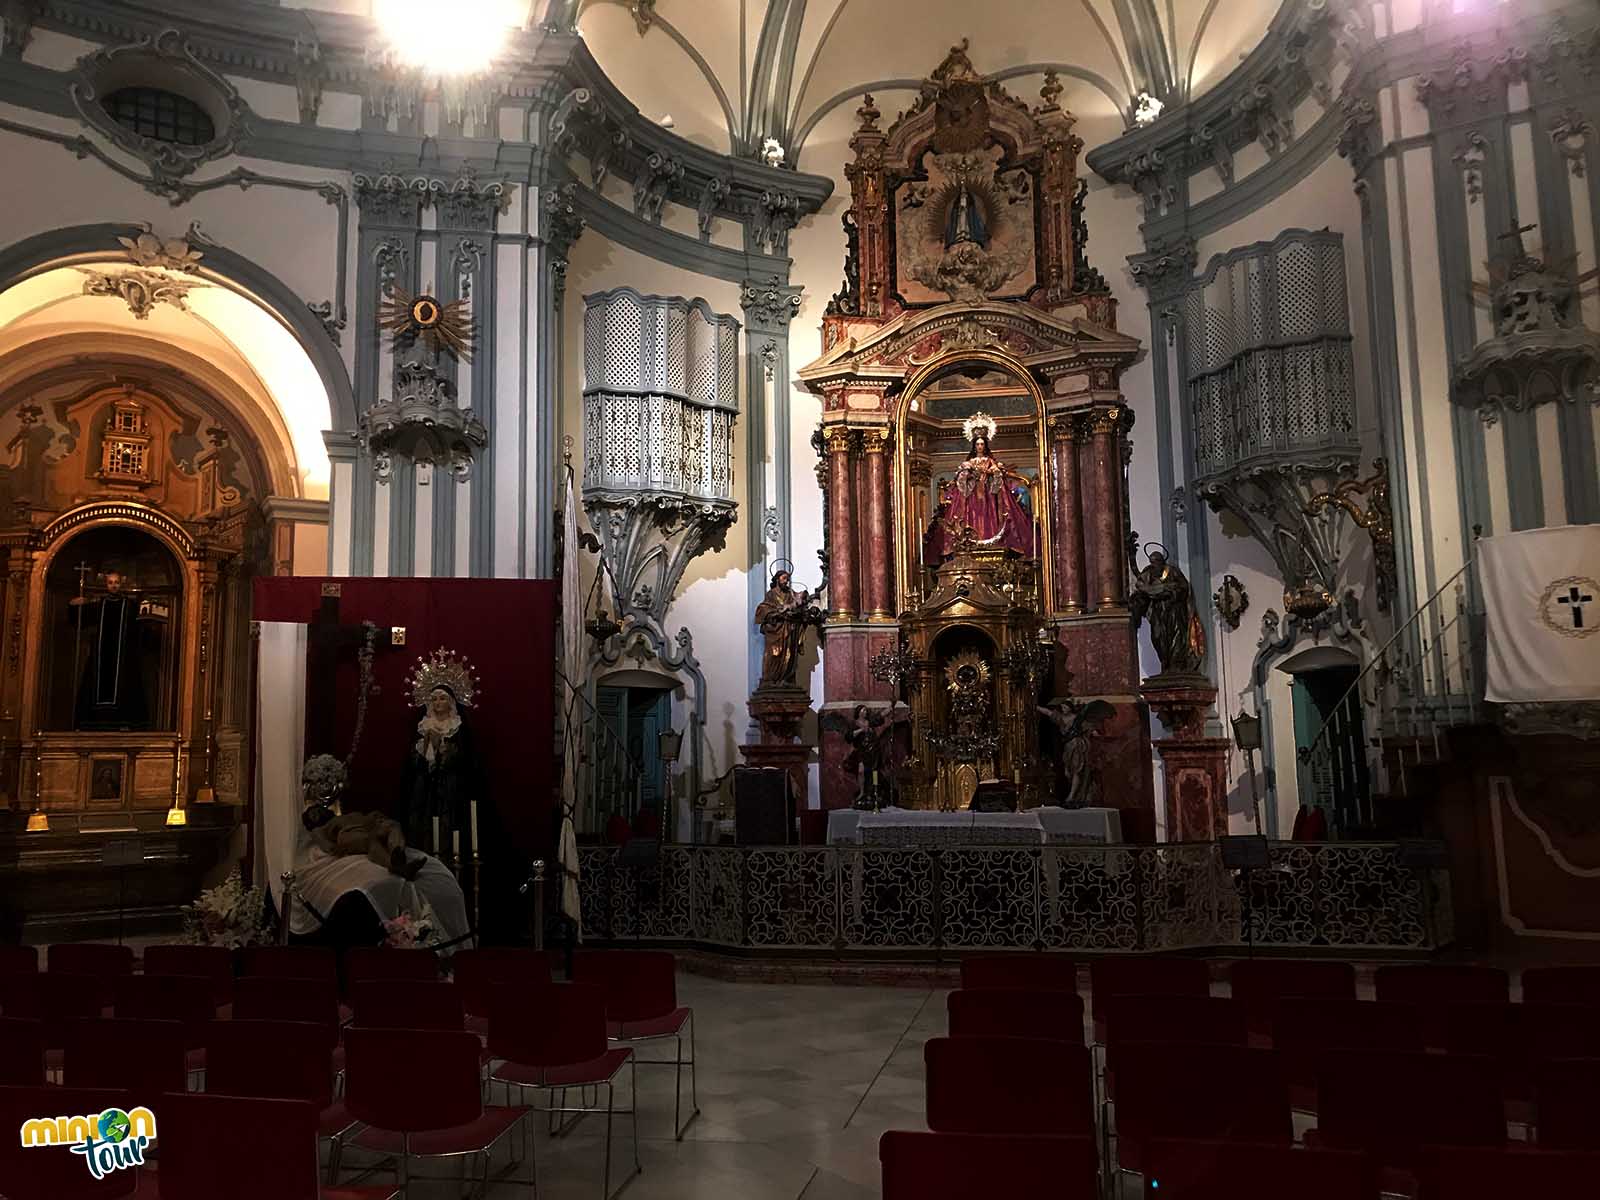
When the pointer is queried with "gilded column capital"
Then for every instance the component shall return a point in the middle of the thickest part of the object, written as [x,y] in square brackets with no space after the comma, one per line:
[1107,420]
[874,440]
[837,439]
[1064,427]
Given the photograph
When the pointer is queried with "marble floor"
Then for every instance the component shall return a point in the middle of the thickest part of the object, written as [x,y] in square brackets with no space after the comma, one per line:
[796,1084]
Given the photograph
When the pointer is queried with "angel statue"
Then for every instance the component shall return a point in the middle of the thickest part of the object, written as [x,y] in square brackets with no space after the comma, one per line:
[870,734]
[1077,722]
[444,776]
[981,503]
[1162,595]
[782,616]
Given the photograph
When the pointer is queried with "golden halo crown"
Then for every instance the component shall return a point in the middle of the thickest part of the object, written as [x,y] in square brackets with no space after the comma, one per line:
[979,421]
[446,669]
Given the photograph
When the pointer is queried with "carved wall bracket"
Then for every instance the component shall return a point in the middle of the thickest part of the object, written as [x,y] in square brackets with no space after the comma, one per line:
[1377,519]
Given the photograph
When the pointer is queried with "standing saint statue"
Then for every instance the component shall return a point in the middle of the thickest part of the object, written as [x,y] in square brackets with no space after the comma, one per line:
[981,503]
[782,617]
[444,772]
[1162,595]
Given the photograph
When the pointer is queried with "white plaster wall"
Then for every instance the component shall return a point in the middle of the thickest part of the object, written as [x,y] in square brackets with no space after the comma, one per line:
[1325,199]
[712,600]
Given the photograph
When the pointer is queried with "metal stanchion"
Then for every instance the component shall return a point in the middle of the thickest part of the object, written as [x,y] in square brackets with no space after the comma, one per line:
[535,883]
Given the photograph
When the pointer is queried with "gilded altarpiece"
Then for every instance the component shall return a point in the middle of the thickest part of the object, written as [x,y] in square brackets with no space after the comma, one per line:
[974,448]
[130,528]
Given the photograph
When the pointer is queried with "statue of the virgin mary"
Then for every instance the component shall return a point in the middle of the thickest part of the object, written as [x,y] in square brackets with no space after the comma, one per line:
[981,503]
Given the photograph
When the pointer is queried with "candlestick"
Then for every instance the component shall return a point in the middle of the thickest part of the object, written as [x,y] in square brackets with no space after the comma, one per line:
[455,846]
[474,831]
[435,847]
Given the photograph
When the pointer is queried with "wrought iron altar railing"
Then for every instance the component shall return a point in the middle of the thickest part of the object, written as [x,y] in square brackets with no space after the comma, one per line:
[873,900]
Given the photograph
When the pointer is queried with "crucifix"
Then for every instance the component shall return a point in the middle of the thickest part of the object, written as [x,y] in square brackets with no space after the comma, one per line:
[1576,600]
[326,640]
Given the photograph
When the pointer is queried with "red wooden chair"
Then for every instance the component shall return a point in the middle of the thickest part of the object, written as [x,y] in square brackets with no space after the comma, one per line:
[19,960]
[244,1147]
[999,1166]
[189,999]
[142,1057]
[1306,1029]
[1194,1169]
[21,1052]
[90,958]
[268,998]
[1008,1085]
[97,960]
[53,1001]
[1518,1036]
[419,1093]
[1567,1101]
[1259,983]
[1480,1173]
[1014,1012]
[1169,1021]
[554,1038]
[1134,976]
[282,1060]
[53,1172]
[363,964]
[1230,1093]
[1436,985]
[215,963]
[401,1004]
[1035,972]
[1561,985]
[642,1006]
[1391,1105]
[290,962]
[477,969]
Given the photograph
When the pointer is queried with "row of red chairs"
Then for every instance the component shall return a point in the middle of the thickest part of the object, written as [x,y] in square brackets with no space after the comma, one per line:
[957,1166]
[1388,1107]
[555,1036]
[242,1147]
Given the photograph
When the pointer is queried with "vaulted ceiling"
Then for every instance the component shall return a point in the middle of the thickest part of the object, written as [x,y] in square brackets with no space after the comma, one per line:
[730,73]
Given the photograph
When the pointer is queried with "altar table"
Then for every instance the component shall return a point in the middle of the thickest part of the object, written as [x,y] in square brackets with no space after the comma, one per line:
[924,827]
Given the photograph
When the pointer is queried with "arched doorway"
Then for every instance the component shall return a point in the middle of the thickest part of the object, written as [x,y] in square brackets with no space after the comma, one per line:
[1338,780]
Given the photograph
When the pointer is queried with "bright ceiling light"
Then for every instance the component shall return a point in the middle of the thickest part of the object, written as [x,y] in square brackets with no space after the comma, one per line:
[461,38]
[1146,108]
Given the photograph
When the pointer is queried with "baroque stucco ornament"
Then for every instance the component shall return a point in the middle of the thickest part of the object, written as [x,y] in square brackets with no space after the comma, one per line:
[141,290]
[163,61]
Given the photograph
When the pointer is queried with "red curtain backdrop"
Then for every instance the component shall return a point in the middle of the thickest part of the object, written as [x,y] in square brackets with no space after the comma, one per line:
[505,627]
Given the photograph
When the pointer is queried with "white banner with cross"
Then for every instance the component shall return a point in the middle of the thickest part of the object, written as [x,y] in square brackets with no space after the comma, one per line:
[1541,596]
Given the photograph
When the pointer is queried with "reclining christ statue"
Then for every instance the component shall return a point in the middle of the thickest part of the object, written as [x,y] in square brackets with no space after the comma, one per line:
[353,872]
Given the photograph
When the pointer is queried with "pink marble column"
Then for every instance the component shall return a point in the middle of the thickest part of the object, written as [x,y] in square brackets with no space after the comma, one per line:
[841,527]
[878,545]
[1105,456]
[1068,514]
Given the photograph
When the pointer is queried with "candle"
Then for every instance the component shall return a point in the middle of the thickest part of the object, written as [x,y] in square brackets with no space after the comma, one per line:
[474,846]
[434,847]
[455,845]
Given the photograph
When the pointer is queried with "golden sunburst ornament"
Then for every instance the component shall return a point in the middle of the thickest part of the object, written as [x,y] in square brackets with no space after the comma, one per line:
[966,672]
[443,325]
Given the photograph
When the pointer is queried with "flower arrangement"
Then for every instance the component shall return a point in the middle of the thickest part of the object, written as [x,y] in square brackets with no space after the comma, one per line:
[412,930]
[229,914]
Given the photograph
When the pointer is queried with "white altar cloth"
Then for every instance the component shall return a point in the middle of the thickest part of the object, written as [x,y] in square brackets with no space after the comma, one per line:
[921,827]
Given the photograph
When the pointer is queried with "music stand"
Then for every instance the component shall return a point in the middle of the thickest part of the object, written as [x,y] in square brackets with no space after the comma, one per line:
[121,853]
[638,855]
[1244,854]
